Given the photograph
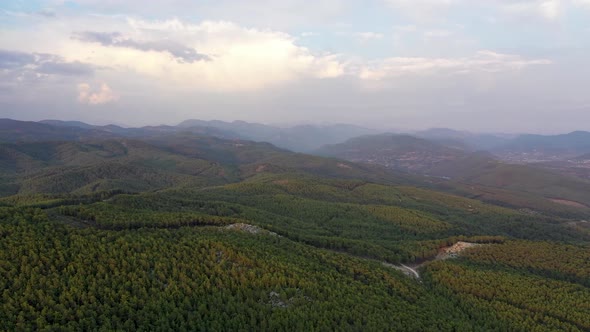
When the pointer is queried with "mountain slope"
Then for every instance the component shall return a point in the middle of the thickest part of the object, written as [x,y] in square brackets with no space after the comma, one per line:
[302,138]
[402,152]
[159,162]
[472,174]
[185,232]
[480,169]
[471,141]
[28,131]
[574,143]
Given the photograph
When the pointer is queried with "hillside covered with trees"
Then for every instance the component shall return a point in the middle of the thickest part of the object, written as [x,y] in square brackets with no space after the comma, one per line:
[192,232]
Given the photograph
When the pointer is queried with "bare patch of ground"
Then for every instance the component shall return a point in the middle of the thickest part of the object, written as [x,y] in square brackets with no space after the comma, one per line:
[567,202]
[454,250]
[341,165]
[281,182]
[250,229]
[260,168]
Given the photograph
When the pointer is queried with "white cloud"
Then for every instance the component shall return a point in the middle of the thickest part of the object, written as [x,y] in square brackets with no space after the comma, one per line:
[368,36]
[240,58]
[405,28]
[309,34]
[582,3]
[483,61]
[547,9]
[421,9]
[440,33]
[550,10]
[104,95]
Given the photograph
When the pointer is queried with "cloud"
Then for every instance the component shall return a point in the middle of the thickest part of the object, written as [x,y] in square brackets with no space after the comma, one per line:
[421,9]
[550,10]
[104,95]
[75,68]
[483,61]
[178,51]
[46,13]
[18,68]
[279,14]
[14,59]
[242,59]
[368,36]
[43,63]
[405,28]
[547,9]
[440,33]
[309,34]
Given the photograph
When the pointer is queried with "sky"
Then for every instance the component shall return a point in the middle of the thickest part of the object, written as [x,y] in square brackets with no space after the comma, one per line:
[489,66]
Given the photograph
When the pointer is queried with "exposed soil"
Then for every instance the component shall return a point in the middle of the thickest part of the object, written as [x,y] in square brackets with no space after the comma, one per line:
[341,165]
[250,229]
[281,182]
[454,250]
[567,202]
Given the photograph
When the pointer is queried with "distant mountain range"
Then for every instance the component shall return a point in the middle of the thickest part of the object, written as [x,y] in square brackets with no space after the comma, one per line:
[563,145]
[441,161]
[302,138]
[308,138]
[400,152]
[79,157]
[464,139]
[574,143]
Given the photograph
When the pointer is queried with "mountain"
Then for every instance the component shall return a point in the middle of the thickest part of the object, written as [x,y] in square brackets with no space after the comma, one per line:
[75,124]
[481,169]
[158,162]
[15,131]
[477,174]
[535,148]
[401,152]
[181,231]
[465,139]
[302,138]
[582,158]
[118,131]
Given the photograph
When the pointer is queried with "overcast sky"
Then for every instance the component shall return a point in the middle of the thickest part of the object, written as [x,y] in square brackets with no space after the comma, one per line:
[493,65]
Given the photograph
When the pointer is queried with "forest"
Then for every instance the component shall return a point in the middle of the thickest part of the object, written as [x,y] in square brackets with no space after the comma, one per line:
[205,234]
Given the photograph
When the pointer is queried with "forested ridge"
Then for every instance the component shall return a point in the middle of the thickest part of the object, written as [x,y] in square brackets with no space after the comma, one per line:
[138,235]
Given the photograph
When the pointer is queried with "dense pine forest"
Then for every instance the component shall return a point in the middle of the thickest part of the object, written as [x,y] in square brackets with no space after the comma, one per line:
[185,232]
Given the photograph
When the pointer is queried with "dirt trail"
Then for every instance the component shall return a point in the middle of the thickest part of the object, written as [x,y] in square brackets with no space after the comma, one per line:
[414,272]
[445,253]
[410,272]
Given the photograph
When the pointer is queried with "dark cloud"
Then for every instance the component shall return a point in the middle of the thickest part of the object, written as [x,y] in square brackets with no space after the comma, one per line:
[13,59]
[181,52]
[20,68]
[66,68]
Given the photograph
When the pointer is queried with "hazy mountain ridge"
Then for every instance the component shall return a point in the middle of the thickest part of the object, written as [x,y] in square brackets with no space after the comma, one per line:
[391,151]
[395,151]
[300,138]
[471,141]
[420,156]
